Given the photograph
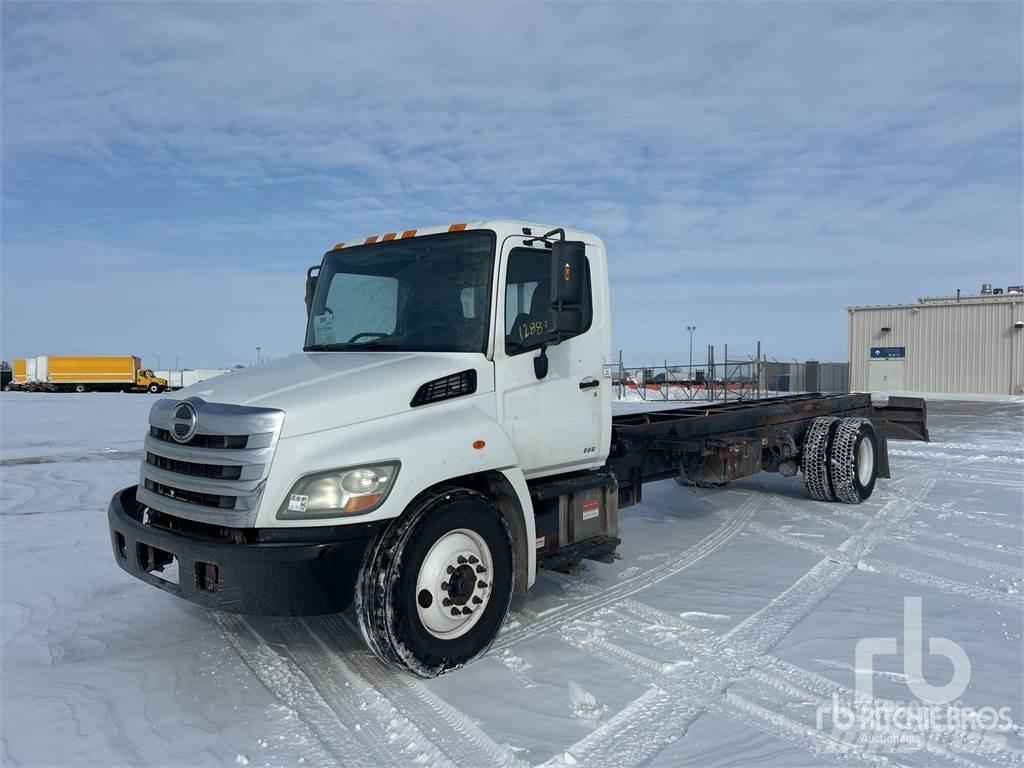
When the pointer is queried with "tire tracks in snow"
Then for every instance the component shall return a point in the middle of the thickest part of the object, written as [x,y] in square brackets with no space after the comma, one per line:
[452,731]
[914,576]
[359,711]
[663,714]
[792,686]
[330,742]
[736,522]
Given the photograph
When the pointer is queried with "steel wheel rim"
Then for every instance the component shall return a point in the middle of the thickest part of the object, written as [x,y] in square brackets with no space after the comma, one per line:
[865,461]
[451,572]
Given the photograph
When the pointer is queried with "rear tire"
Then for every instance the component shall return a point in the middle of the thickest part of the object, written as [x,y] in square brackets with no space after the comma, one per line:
[445,538]
[814,457]
[853,464]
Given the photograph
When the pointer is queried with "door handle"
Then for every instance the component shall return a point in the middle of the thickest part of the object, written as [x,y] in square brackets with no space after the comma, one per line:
[589,383]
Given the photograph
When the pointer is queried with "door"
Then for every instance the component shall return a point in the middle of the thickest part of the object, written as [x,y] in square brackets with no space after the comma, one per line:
[555,423]
[887,374]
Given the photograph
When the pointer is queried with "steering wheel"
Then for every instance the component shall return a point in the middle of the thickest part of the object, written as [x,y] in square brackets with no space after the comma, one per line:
[367,333]
[426,318]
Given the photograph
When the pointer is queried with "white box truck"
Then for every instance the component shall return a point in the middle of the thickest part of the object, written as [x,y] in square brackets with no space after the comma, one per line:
[446,431]
[179,378]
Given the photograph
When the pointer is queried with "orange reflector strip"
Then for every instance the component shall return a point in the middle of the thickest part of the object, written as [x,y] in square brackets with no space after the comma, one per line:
[409,233]
[359,503]
[338,246]
[388,236]
[456,227]
[370,239]
[478,444]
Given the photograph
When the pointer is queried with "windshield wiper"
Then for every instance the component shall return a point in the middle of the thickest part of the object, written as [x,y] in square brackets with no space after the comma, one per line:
[376,346]
[373,346]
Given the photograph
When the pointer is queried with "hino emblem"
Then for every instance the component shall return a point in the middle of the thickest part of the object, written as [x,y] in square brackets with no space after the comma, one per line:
[183,422]
[567,272]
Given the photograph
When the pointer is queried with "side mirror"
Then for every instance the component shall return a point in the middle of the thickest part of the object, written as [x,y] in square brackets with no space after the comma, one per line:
[568,272]
[311,281]
[568,287]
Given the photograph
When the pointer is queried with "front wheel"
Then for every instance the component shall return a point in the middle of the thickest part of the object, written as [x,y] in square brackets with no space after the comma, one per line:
[154,389]
[80,388]
[434,588]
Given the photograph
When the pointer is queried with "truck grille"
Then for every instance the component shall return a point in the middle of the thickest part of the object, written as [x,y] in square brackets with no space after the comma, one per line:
[216,477]
[191,497]
[216,471]
[201,441]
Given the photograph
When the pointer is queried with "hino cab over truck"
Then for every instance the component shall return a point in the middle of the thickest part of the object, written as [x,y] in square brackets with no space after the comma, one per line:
[446,431]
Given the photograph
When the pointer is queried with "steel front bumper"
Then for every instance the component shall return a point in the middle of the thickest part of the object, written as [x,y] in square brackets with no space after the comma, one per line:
[276,572]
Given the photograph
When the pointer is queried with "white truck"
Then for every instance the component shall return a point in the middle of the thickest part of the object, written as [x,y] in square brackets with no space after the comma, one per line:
[446,431]
[179,378]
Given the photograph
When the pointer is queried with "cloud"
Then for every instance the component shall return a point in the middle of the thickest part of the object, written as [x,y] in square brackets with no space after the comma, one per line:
[785,159]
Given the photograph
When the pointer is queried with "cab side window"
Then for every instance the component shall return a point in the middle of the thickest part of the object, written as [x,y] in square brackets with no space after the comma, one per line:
[528,301]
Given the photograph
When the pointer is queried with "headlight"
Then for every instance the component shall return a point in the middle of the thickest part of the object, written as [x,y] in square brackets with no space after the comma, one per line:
[347,491]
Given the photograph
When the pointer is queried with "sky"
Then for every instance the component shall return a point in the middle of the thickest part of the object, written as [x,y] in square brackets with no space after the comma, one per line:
[171,170]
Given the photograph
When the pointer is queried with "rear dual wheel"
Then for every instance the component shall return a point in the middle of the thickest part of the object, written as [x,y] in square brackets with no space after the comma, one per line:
[434,588]
[839,459]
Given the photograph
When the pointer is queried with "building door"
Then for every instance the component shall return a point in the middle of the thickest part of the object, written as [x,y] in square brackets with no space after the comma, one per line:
[887,375]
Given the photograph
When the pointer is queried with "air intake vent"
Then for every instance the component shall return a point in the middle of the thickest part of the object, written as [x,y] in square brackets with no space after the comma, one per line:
[456,385]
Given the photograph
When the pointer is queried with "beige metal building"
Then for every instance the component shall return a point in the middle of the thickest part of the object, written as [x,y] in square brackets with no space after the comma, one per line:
[962,344]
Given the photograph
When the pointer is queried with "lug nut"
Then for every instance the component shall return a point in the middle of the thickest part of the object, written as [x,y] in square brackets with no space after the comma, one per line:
[446,602]
[444,586]
[455,612]
[477,600]
[481,569]
[450,569]
[467,611]
[462,560]
[482,584]
[473,560]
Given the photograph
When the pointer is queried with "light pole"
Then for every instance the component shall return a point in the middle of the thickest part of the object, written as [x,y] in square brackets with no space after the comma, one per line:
[259,358]
[158,366]
[691,329]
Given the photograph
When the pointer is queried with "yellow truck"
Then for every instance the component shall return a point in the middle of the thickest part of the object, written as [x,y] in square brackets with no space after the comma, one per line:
[85,373]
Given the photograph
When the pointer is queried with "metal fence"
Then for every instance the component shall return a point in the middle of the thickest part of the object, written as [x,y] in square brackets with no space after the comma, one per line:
[729,378]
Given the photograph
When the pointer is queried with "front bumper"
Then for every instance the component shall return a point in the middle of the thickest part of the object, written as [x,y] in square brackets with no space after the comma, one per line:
[275,572]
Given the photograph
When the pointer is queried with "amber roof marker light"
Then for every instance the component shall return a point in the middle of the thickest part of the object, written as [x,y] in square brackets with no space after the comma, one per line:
[456,227]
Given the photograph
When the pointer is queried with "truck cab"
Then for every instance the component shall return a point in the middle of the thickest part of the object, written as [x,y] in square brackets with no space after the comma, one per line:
[442,371]
[149,381]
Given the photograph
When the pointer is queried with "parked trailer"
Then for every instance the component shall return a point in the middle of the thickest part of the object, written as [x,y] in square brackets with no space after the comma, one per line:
[178,378]
[422,458]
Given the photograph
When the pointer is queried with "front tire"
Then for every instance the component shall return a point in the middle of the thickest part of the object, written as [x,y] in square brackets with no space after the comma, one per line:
[80,388]
[435,586]
[154,389]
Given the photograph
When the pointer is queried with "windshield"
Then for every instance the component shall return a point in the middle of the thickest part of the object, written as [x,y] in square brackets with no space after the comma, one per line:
[424,294]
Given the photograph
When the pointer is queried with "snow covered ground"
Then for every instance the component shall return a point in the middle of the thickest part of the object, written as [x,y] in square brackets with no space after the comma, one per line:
[722,637]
